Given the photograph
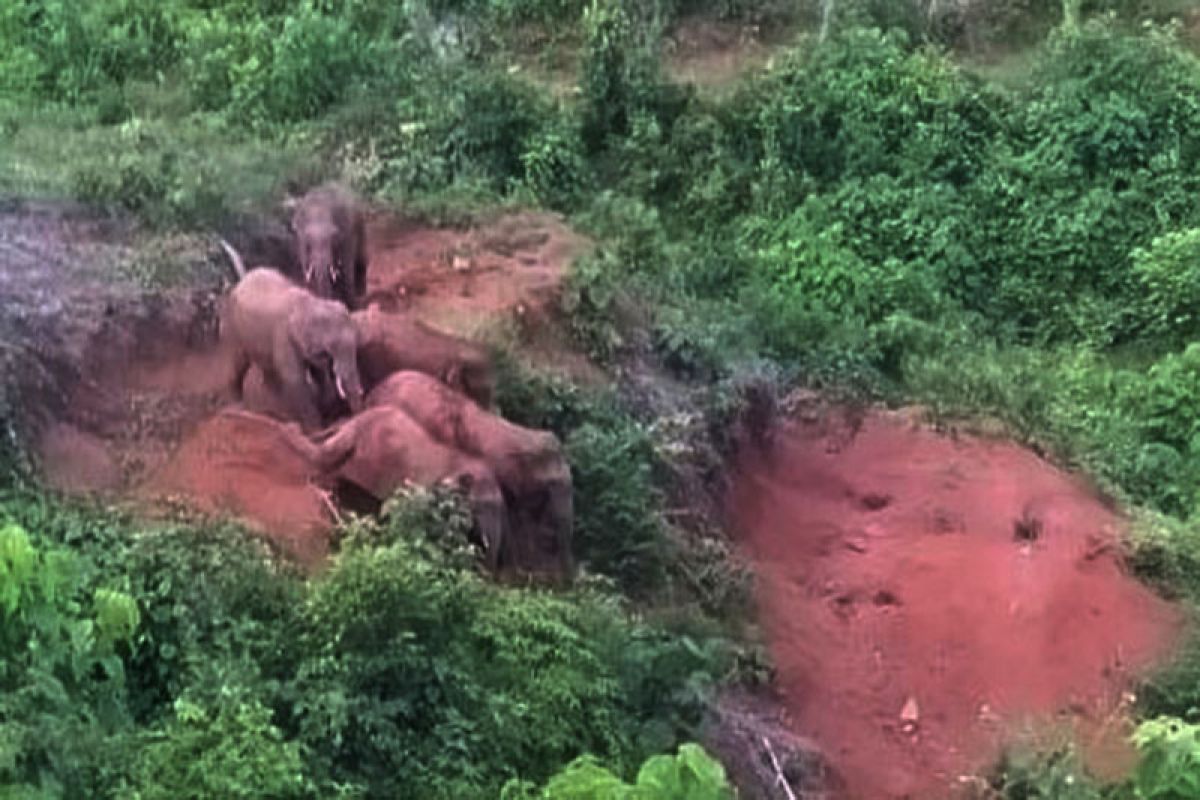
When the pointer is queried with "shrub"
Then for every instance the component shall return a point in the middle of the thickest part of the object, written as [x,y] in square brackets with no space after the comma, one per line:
[554,166]
[421,681]
[1104,161]
[232,751]
[591,298]
[159,184]
[1047,776]
[1170,765]
[83,47]
[453,125]
[1169,274]
[690,775]
[620,66]
[617,532]
[62,676]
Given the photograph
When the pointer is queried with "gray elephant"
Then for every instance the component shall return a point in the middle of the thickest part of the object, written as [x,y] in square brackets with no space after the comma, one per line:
[389,343]
[530,465]
[305,346]
[330,234]
[387,449]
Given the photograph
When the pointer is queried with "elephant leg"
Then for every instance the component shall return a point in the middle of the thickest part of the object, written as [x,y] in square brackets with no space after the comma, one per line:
[360,274]
[293,387]
[490,516]
[561,515]
[237,373]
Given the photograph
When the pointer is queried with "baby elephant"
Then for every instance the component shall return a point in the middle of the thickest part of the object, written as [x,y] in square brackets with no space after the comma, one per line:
[330,231]
[530,465]
[388,449]
[389,343]
[306,347]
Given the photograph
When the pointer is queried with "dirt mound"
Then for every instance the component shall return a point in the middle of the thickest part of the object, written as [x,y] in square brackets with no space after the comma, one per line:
[927,597]
[249,466]
[464,279]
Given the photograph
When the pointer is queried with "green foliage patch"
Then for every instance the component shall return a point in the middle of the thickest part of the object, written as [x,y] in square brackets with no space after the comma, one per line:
[184,661]
[690,775]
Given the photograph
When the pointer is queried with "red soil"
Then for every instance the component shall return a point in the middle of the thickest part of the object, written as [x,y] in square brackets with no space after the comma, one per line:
[963,578]
[515,265]
[248,466]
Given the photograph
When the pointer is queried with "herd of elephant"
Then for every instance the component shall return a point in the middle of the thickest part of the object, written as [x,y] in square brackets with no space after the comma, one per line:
[386,400]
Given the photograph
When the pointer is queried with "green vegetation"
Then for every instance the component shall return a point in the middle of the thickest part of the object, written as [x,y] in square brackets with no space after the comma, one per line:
[868,216]
[690,775]
[213,672]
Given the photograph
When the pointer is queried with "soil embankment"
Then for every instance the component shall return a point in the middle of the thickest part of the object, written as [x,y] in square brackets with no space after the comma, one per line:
[928,598]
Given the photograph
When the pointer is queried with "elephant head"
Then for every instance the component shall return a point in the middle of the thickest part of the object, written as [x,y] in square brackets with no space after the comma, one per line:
[326,343]
[328,229]
[320,256]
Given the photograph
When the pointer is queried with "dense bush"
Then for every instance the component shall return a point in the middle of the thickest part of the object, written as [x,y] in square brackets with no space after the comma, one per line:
[1168,273]
[617,532]
[1170,765]
[690,775]
[212,672]
[231,751]
[63,645]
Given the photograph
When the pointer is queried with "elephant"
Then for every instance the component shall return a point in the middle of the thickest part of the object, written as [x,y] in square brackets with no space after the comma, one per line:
[530,465]
[389,449]
[329,227]
[305,346]
[389,343]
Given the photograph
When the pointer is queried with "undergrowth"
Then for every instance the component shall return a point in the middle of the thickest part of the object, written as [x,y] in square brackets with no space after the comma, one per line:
[182,660]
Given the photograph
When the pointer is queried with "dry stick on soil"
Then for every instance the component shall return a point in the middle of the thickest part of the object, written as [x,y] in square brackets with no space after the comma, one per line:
[787,787]
[327,500]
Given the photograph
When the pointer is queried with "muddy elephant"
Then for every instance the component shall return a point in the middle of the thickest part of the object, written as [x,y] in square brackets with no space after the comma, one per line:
[329,228]
[530,465]
[306,347]
[388,449]
[389,343]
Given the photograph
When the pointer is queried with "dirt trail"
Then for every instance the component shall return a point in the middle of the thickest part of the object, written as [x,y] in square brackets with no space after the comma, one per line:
[926,597]
[132,382]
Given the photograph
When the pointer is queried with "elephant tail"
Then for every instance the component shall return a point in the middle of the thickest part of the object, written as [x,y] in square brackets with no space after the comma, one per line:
[239,267]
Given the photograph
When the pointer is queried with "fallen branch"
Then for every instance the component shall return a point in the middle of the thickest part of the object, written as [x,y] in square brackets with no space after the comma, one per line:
[330,506]
[787,787]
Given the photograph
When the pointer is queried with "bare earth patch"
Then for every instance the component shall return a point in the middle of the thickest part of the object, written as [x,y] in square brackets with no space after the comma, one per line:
[713,54]
[928,600]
